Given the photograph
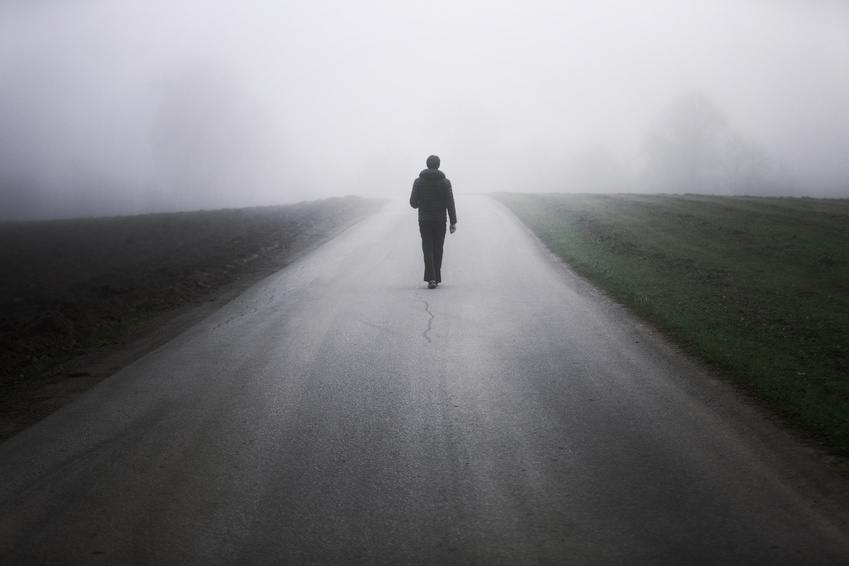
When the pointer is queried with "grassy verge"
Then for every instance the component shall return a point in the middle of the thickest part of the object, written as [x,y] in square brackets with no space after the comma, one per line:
[67,286]
[756,287]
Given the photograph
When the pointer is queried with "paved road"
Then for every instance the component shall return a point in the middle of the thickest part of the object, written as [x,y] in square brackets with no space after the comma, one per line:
[340,412]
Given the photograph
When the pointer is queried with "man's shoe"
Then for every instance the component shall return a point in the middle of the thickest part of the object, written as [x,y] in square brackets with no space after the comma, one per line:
[431,285]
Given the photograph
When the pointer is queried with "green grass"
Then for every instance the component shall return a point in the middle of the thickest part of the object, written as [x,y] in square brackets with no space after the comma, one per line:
[758,288]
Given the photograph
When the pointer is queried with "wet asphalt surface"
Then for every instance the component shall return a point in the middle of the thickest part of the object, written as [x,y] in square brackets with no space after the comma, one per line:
[341,412]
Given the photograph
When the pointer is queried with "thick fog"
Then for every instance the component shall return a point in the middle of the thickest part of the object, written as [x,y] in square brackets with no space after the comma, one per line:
[125,107]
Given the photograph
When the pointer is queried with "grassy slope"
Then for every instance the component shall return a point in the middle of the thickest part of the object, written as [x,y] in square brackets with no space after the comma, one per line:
[756,287]
[67,286]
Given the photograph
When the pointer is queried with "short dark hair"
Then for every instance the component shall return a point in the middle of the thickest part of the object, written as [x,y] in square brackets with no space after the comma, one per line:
[433,162]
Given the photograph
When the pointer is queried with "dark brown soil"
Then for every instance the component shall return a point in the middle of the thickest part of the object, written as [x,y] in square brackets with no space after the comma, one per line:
[80,299]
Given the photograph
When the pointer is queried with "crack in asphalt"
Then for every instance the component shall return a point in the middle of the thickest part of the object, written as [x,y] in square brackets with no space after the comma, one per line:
[429,322]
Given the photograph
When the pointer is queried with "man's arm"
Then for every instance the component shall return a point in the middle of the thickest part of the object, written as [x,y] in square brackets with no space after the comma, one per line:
[449,203]
[414,196]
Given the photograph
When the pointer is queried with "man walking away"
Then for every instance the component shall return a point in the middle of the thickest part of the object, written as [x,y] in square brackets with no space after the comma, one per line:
[432,195]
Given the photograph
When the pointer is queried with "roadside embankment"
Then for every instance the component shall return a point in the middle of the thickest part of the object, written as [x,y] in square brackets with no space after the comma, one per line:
[82,298]
[758,288]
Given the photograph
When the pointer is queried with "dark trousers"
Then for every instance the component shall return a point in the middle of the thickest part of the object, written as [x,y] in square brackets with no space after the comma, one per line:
[433,238]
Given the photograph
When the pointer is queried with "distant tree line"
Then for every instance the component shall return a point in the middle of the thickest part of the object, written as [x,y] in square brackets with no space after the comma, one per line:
[692,149]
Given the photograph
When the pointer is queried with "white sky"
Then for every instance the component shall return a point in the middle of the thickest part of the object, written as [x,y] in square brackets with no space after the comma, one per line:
[358,93]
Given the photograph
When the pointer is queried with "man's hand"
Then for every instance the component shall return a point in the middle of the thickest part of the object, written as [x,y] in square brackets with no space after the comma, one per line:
[452,228]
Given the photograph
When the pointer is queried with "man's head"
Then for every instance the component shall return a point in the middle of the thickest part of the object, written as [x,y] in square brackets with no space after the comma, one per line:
[433,162]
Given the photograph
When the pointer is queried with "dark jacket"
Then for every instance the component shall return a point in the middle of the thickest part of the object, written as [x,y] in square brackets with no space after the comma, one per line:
[432,195]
